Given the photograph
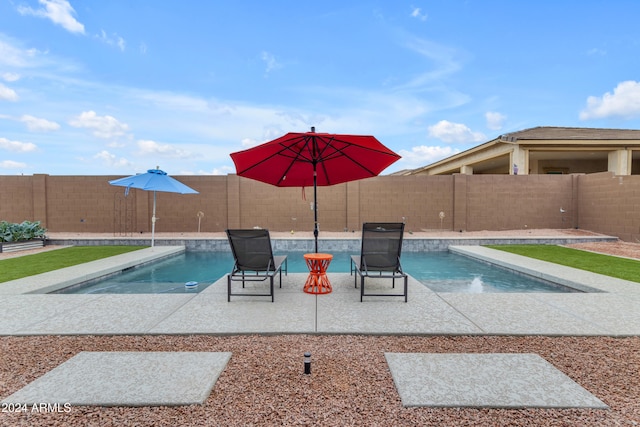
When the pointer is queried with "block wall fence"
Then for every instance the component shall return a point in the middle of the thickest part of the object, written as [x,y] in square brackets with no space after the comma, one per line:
[599,202]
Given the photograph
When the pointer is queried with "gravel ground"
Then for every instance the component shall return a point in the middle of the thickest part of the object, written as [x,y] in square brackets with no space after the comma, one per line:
[304,234]
[350,384]
[622,249]
[263,384]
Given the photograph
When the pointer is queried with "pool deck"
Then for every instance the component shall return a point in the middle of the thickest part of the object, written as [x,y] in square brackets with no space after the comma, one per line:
[456,380]
[613,310]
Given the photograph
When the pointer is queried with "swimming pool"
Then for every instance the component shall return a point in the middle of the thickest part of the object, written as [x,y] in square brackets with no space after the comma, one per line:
[439,271]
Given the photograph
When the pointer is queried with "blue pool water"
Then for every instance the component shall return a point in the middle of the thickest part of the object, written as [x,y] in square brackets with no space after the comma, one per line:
[440,271]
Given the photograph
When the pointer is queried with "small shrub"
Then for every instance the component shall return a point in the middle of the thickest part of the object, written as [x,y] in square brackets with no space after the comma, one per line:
[27,230]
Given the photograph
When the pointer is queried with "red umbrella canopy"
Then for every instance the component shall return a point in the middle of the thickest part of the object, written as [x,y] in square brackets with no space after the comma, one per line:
[290,160]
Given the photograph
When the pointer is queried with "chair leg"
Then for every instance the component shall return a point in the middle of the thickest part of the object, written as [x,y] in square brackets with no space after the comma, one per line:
[354,272]
[406,287]
[361,287]
[228,288]
[271,286]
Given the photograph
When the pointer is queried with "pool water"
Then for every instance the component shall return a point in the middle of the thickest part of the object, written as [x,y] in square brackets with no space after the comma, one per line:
[439,271]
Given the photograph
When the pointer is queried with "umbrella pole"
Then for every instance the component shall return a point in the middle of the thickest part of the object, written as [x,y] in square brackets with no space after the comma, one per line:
[315,205]
[153,220]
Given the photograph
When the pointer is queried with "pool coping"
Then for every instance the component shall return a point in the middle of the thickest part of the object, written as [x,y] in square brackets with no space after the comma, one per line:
[581,280]
[55,280]
[611,312]
[350,242]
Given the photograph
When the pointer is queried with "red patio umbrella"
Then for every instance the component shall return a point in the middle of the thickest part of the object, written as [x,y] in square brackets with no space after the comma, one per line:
[310,158]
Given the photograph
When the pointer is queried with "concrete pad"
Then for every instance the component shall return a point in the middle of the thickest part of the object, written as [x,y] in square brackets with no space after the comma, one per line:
[423,313]
[18,312]
[110,314]
[614,314]
[127,379]
[376,285]
[523,314]
[292,311]
[502,380]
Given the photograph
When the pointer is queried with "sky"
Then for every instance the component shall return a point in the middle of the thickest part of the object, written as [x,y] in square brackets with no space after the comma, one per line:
[117,87]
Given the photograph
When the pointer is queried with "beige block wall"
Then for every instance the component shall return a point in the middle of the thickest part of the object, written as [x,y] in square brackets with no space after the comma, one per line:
[233,201]
[353,206]
[179,212]
[460,205]
[78,203]
[496,202]
[16,199]
[289,208]
[598,202]
[610,204]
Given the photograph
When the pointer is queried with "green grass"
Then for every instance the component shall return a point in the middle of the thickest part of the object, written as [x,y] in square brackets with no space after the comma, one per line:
[622,268]
[29,265]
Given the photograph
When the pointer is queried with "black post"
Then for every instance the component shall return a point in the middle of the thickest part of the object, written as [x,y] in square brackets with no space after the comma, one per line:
[307,363]
[315,205]
[315,188]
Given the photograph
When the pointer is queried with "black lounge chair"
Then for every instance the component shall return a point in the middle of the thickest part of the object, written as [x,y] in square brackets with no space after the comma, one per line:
[254,260]
[380,256]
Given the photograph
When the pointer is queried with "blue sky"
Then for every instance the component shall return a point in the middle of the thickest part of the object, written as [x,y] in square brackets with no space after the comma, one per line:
[117,87]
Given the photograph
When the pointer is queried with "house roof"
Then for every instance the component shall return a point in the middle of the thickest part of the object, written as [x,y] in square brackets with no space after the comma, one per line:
[544,136]
[564,133]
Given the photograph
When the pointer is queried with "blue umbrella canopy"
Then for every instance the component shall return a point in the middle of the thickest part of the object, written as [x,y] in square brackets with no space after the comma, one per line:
[154,180]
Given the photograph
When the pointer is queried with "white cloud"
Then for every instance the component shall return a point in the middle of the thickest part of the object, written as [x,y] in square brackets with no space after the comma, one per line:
[417,13]
[423,155]
[14,55]
[454,132]
[11,56]
[105,127]
[112,160]
[17,146]
[117,144]
[494,120]
[249,142]
[39,125]
[270,61]
[7,93]
[148,147]
[10,164]
[224,170]
[10,77]
[624,102]
[171,101]
[59,12]
[116,40]
[446,61]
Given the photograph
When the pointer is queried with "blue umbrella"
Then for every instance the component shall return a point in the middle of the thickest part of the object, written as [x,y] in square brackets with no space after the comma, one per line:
[154,180]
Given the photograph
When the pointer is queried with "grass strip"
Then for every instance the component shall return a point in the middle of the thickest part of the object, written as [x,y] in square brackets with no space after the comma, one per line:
[29,265]
[621,268]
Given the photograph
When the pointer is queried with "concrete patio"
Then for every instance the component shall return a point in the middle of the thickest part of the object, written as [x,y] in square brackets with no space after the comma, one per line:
[611,310]
[608,308]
